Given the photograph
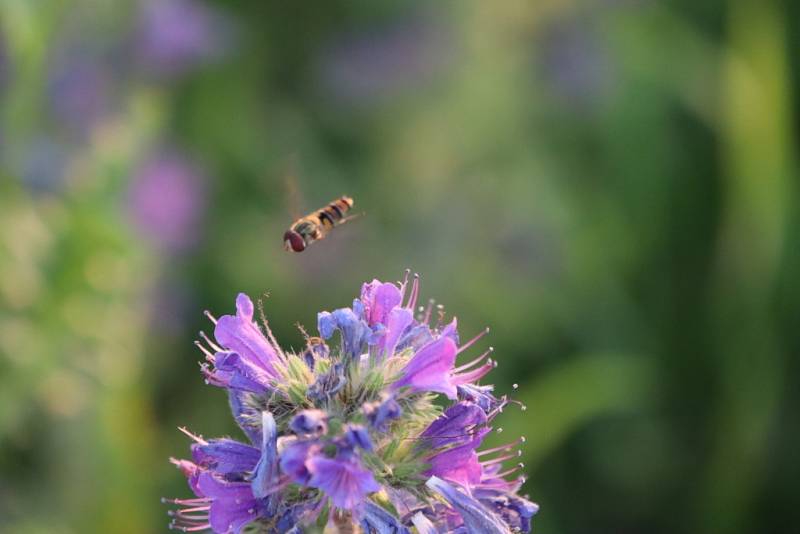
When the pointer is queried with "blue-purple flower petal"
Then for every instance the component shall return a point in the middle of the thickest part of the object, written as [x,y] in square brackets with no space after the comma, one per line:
[476,517]
[358,437]
[376,520]
[317,350]
[328,384]
[240,334]
[459,424]
[380,413]
[379,298]
[423,524]
[399,319]
[234,372]
[232,503]
[480,395]
[458,464]
[416,337]
[346,482]
[309,422]
[246,416]
[451,331]
[515,511]
[355,331]
[430,368]
[266,472]
[294,459]
[225,455]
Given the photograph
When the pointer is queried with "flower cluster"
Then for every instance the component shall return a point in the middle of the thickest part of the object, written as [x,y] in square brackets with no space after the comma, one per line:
[353,436]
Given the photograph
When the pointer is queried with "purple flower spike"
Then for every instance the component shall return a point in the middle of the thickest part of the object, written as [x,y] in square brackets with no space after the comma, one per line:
[353,429]
[475,516]
[344,481]
[239,333]
[430,368]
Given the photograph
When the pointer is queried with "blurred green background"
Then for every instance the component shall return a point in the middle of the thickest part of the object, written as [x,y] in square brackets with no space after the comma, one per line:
[611,185]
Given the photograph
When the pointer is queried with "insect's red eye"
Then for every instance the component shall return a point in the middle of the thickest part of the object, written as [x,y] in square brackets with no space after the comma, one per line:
[294,241]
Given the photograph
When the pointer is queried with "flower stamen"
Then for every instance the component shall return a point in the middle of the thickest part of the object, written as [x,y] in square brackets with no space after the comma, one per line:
[412,299]
[474,362]
[502,448]
[206,352]
[211,344]
[472,341]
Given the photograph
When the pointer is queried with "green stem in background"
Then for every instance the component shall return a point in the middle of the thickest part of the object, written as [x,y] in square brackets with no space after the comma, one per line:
[756,141]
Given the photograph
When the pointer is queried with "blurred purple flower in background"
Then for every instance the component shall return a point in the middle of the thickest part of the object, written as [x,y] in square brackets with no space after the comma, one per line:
[5,75]
[374,66]
[44,165]
[166,201]
[171,301]
[79,89]
[575,62]
[174,36]
[4,63]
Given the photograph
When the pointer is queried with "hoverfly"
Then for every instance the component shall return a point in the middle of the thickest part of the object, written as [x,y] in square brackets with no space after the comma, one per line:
[317,225]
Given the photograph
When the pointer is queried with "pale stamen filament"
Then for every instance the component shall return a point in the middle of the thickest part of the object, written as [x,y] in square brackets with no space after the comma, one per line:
[472,341]
[474,362]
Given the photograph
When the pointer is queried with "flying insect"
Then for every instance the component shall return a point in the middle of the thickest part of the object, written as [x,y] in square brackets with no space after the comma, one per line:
[317,225]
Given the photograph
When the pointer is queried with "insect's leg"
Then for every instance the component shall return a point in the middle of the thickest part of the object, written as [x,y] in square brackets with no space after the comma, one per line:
[350,218]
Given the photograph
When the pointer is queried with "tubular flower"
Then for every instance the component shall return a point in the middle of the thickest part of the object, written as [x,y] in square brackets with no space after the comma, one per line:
[350,434]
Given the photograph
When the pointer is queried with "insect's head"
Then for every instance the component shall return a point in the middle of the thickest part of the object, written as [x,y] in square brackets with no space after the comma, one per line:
[293,242]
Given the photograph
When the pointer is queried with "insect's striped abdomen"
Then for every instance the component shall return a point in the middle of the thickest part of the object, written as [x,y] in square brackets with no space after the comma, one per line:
[334,212]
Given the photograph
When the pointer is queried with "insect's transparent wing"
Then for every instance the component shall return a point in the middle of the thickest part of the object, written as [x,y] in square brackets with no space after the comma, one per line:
[294,199]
